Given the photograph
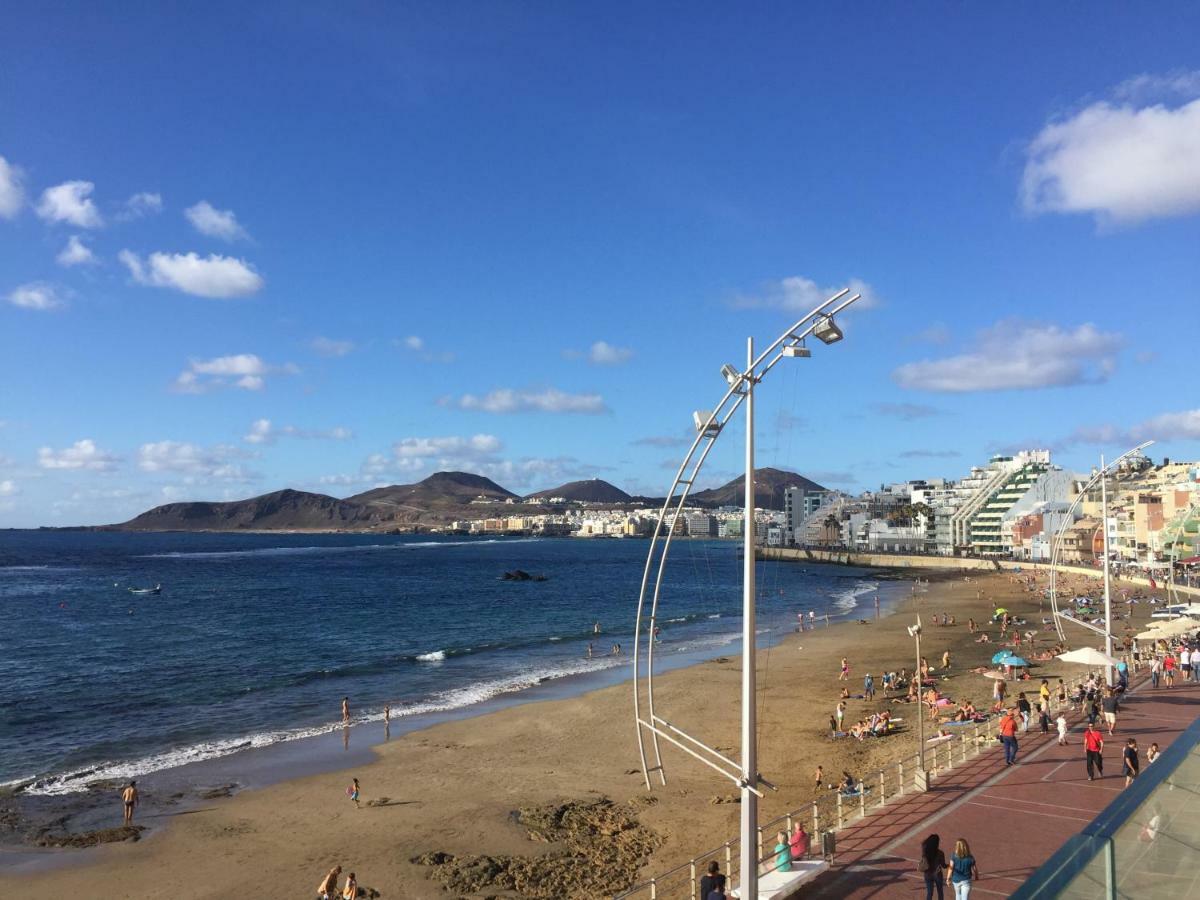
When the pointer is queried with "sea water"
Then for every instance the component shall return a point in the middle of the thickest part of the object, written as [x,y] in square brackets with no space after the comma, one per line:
[256,638]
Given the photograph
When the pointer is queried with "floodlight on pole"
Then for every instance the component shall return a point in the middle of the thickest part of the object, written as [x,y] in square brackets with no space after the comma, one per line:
[798,351]
[826,330]
[732,375]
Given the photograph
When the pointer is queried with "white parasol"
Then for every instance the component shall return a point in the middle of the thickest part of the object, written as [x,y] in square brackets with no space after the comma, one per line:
[1088,656]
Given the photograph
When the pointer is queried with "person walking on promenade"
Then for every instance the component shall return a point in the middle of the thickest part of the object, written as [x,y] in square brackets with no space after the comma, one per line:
[1061,723]
[130,798]
[868,687]
[1155,671]
[1093,746]
[932,865]
[712,881]
[1008,736]
[1152,753]
[1025,710]
[1168,667]
[962,870]
[1110,709]
[1130,762]
[1195,659]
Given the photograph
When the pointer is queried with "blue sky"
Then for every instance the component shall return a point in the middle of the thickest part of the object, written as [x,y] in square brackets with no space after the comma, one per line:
[354,244]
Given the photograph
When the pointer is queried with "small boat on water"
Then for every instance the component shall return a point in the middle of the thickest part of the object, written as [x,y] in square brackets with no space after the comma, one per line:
[157,589]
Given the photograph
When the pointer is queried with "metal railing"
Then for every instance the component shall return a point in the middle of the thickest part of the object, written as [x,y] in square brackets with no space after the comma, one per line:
[831,811]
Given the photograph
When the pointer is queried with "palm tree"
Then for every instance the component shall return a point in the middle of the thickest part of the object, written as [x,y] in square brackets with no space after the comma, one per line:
[832,527]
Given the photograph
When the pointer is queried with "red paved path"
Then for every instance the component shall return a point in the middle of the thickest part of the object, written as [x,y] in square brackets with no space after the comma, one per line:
[1014,818]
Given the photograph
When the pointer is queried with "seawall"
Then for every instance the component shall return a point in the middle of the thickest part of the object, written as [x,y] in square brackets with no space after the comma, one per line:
[909,561]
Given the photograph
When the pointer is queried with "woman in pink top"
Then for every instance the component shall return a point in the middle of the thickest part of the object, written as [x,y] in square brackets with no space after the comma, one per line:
[798,842]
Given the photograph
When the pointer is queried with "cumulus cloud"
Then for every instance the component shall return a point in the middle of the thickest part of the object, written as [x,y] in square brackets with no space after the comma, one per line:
[1013,355]
[262,431]
[549,400]
[799,294]
[38,295]
[214,276]
[12,193]
[1170,426]
[602,353]
[8,488]
[141,204]
[416,345]
[182,458]
[218,223]
[907,412]
[1124,161]
[330,347]
[82,455]
[70,202]
[76,253]
[247,371]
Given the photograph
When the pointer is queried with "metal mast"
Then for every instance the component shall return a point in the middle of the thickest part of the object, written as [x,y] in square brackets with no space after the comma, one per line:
[749,831]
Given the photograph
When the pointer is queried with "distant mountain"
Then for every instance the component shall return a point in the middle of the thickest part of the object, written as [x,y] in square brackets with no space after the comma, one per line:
[440,491]
[594,490]
[769,485]
[279,510]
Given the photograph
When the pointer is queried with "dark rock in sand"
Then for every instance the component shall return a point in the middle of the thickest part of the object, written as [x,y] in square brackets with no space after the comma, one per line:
[92,838]
[601,848]
[217,793]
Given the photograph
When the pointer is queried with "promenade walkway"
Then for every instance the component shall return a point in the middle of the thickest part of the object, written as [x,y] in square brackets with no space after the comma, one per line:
[1014,818]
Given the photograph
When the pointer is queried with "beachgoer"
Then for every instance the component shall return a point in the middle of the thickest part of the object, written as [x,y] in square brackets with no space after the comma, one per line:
[1168,665]
[783,853]
[130,798]
[328,886]
[589,656]
[1044,717]
[946,660]
[596,628]
[1044,693]
[840,713]
[1008,736]
[387,713]
[869,687]
[932,865]
[1110,705]
[1155,671]
[1024,708]
[1061,722]
[1129,759]
[818,779]
[345,709]
[712,881]
[799,842]
[1093,745]
[848,784]
[1195,660]
[350,889]
[353,792]
[845,670]
[971,625]
[1152,753]
[962,870]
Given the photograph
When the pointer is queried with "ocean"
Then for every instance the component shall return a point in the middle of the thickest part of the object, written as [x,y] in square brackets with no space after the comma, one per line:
[255,638]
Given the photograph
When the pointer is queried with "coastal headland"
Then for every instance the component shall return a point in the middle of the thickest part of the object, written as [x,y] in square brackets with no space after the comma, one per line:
[549,796]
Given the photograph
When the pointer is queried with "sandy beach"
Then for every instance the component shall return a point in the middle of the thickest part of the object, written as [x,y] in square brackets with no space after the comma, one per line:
[454,788]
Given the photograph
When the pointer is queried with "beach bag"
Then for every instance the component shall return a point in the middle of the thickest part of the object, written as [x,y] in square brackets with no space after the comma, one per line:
[922,864]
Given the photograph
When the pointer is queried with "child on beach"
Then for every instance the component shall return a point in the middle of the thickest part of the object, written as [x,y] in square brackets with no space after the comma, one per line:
[353,792]
[1061,722]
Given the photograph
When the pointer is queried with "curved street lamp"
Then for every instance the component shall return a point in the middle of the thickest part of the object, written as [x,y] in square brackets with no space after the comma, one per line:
[820,324]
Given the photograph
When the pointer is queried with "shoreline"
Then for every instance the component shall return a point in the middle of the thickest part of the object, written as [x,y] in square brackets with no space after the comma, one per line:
[324,749]
[454,787]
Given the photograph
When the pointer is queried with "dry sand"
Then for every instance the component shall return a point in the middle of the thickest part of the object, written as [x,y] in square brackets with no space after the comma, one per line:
[454,787]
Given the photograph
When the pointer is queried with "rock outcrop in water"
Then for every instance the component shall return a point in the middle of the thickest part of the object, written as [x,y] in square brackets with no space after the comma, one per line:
[601,849]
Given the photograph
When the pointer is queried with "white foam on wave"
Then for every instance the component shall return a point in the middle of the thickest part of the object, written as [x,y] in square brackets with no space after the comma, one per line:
[845,601]
[433,656]
[296,551]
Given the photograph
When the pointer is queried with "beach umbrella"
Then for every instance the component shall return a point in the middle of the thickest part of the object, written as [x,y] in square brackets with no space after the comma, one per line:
[1001,656]
[1001,610]
[997,675]
[1016,662]
[1088,656]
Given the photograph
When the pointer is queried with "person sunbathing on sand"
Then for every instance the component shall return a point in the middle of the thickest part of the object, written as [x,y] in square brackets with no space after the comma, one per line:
[983,639]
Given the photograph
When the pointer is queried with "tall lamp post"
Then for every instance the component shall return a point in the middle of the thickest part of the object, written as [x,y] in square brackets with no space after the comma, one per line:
[922,780]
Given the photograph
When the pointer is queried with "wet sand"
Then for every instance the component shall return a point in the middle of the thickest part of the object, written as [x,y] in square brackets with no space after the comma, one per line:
[453,788]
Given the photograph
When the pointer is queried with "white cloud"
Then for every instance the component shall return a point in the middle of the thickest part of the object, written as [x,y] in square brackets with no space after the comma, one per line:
[549,400]
[212,276]
[187,459]
[8,488]
[799,294]
[907,412]
[263,432]
[1012,355]
[412,342]
[603,353]
[82,454]
[474,447]
[38,295]
[12,194]
[1170,426]
[247,371]
[218,223]
[70,202]
[330,347]
[415,344]
[142,204]
[1121,162]
[1146,87]
[76,253]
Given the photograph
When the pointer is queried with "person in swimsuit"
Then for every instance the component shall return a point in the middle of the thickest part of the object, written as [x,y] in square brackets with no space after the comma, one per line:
[350,890]
[354,793]
[130,797]
[345,709]
[845,670]
[819,779]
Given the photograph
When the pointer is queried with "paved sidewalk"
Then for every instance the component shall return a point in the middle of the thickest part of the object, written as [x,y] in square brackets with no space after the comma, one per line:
[1014,818]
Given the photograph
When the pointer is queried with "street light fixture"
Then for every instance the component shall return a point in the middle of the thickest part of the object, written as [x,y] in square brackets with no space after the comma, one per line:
[827,331]
[922,780]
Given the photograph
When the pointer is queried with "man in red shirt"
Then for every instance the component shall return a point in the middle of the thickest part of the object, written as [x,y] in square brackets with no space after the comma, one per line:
[1008,736]
[1093,744]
